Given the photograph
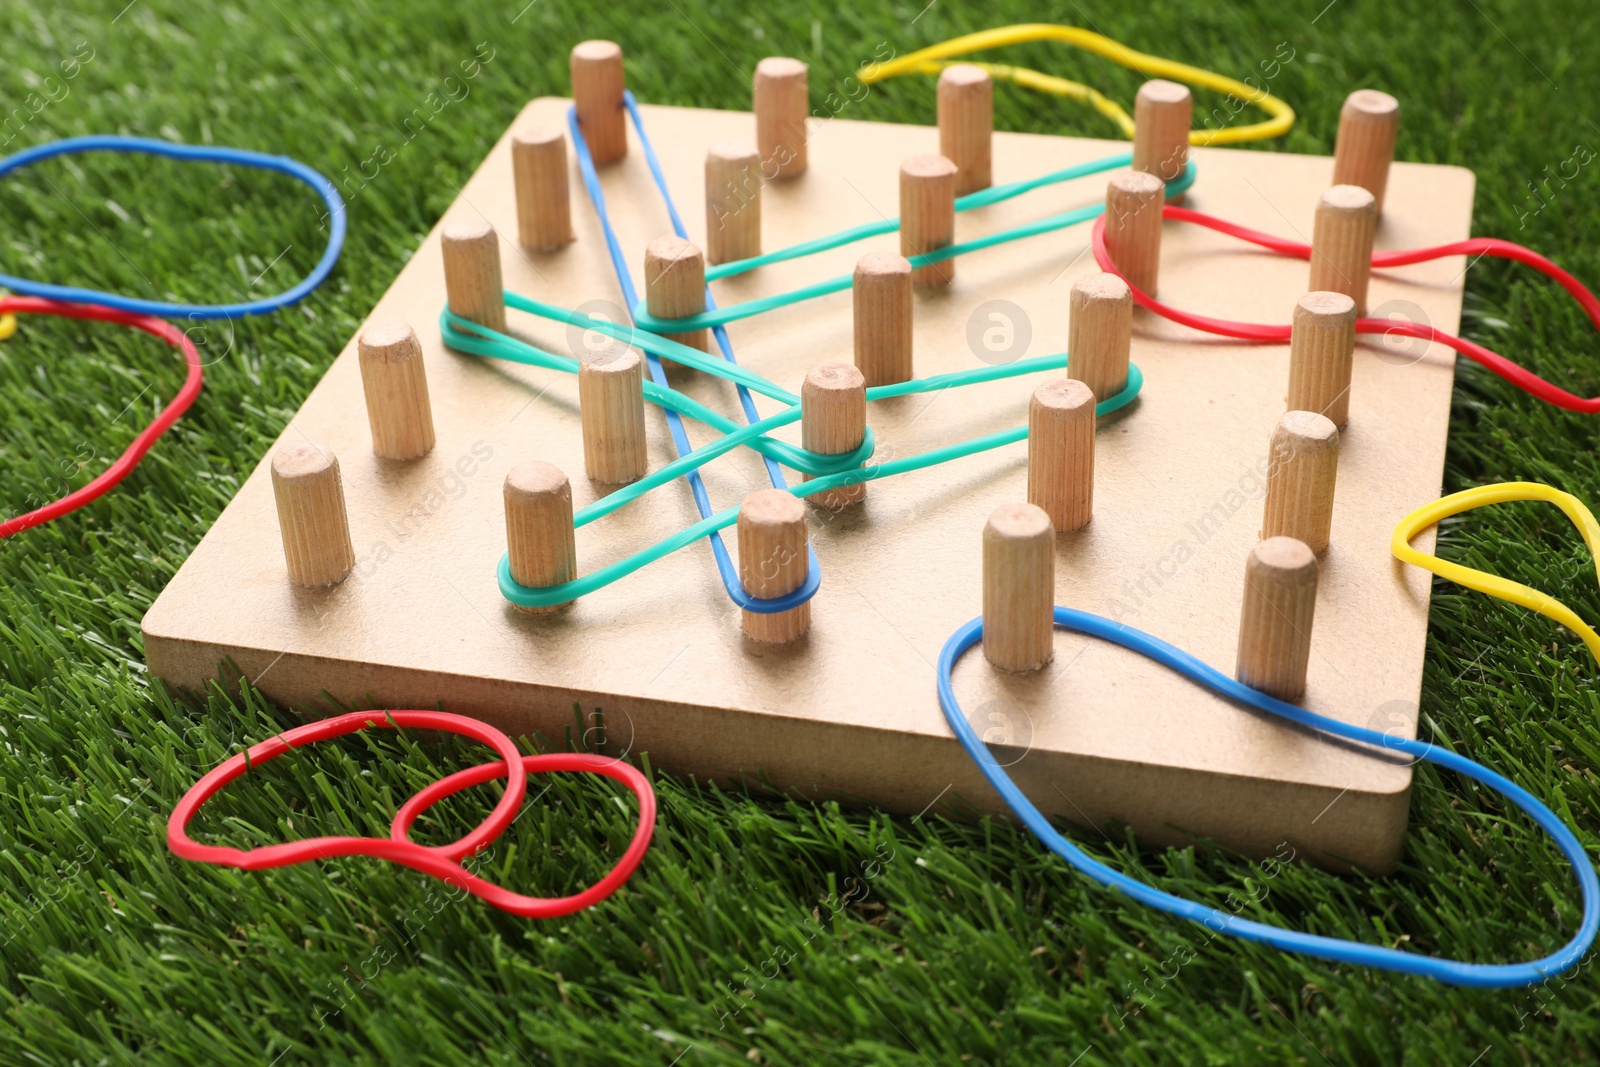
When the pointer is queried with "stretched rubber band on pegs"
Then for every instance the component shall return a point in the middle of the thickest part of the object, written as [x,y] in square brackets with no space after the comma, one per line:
[930,61]
[190,153]
[1480,246]
[1482,975]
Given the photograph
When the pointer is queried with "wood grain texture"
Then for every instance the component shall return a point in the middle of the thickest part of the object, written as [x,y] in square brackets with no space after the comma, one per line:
[1369,122]
[850,713]
[1341,243]
[833,419]
[733,201]
[1099,333]
[1061,452]
[611,404]
[881,306]
[540,541]
[1305,468]
[781,102]
[395,384]
[544,203]
[928,215]
[311,515]
[1134,201]
[772,562]
[1322,345]
[1280,601]
[472,278]
[966,124]
[1019,588]
[675,286]
[1162,114]
[597,87]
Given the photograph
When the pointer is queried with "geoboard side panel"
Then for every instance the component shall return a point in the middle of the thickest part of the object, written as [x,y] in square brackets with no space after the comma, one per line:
[734,748]
[421,622]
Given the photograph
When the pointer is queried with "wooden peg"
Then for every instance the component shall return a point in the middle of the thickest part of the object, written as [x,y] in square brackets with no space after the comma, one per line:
[311,515]
[1100,333]
[1303,464]
[833,420]
[396,387]
[781,105]
[1322,344]
[611,405]
[1019,587]
[597,86]
[1162,113]
[675,286]
[1341,243]
[1061,452]
[928,215]
[733,202]
[539,171]
[1134,201]
[472,282]
[966,124]
[1280,597]
[1368,123]
[541,543]
[881,292]
[773,562]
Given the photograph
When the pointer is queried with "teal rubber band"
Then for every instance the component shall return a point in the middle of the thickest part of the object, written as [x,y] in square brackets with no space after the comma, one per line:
[734,312]
[549,596]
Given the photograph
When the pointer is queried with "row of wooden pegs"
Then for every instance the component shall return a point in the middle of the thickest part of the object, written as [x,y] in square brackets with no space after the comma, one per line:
[772,533]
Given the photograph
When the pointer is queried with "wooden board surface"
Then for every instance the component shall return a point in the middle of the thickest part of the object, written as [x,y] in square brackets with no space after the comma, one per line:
[850,710]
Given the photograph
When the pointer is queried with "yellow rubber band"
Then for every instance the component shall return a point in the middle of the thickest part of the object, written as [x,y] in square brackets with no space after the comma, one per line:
[8,325]
[1491,584]
[931,61]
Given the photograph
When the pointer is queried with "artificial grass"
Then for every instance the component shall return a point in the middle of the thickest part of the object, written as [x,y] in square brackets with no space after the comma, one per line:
[743,939]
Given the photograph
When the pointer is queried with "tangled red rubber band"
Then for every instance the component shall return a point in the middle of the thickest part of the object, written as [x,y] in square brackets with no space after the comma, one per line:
[1479,246]
[124,464]
[441,861]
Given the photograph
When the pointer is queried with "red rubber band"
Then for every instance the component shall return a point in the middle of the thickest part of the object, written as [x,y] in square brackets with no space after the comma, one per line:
[124,464]
[1482,246]
[438,861]
[542,907]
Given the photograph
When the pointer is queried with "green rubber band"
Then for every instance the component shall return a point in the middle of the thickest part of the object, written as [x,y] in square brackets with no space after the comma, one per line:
[982,198]
[548,596]
[749,308]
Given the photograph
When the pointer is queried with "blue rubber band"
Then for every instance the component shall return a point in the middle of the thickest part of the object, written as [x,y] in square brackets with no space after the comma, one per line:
[195,153]
[680,439]
[1453,972]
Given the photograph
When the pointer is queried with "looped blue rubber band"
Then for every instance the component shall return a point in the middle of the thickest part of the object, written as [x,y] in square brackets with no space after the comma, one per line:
[1453,972]
[193,153]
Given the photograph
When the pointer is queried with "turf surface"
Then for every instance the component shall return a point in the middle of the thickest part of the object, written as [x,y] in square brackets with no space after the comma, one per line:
[756,931]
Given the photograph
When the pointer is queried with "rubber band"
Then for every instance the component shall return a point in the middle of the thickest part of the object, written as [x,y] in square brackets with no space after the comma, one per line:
[713,317]
[440,861]
[731,582]
[929,61]
[1492,361]
[189,153]
[1453,972]
[124,464]
[1491,584]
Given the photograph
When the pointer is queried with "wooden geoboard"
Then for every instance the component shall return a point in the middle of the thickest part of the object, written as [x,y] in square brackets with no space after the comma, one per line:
[850,711]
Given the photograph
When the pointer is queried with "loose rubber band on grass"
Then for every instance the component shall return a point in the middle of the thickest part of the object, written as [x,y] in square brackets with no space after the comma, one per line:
[1492,584]
[189,153]
[440,861]
[124,464]
[1453,972]
[1497,364]
[930,61]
